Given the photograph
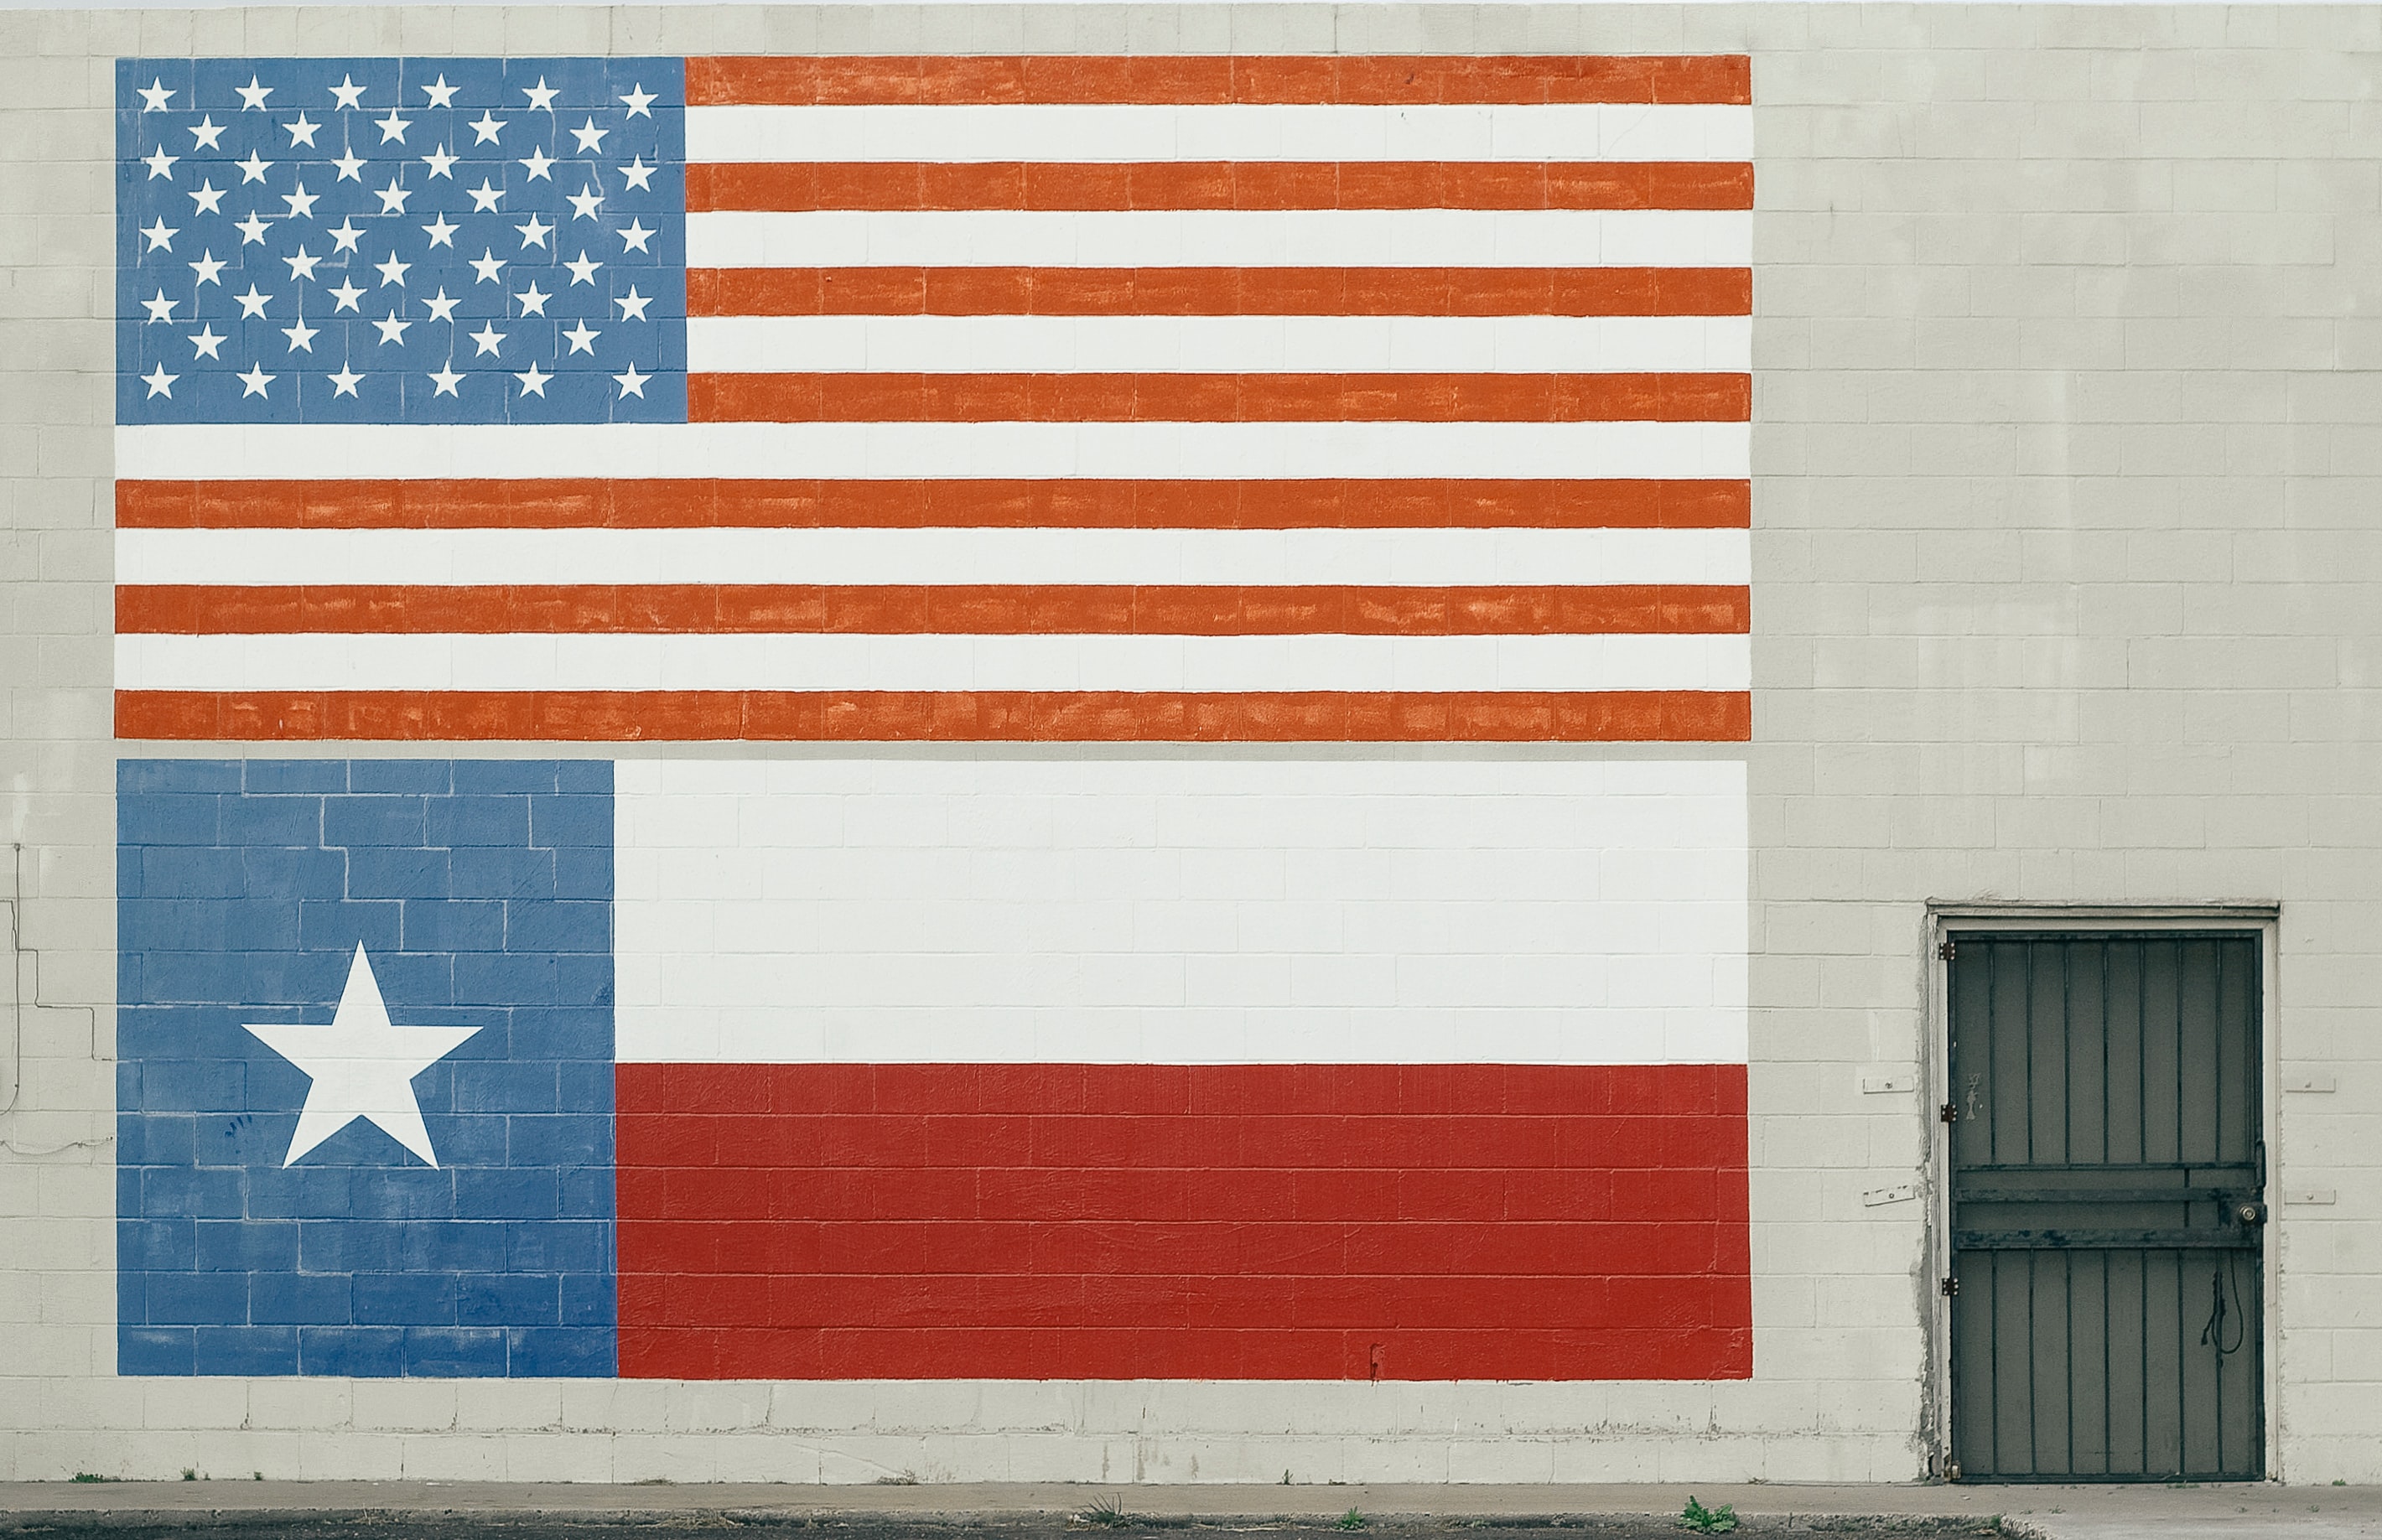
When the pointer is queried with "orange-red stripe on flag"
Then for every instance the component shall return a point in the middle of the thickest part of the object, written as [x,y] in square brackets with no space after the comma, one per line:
[1189,397]
[1050,186]
[1220,291]
[991,81]
[702,503]
[983,716]
[1071,609]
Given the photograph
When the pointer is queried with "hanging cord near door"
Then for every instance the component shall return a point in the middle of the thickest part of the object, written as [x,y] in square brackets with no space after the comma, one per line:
[2213,1334]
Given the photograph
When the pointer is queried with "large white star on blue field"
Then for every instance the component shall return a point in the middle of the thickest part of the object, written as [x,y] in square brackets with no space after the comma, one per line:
[361,1065]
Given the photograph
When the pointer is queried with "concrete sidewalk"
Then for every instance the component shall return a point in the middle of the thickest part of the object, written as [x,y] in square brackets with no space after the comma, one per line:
[2146,1512]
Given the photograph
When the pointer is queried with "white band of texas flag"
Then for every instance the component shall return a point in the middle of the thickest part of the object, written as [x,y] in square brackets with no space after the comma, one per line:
[1081,1067]
[1009,305]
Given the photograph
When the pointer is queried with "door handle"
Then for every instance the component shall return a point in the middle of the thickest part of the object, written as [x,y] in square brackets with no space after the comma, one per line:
[2251,1214]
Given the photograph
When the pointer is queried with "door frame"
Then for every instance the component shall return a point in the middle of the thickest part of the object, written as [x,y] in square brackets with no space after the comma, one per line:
[2261,919]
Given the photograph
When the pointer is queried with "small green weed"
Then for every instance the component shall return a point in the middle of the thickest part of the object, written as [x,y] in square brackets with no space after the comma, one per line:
[1352,1520]
[1707,1520]
[90,1475]
[1107,1513]
[256,1475]
[190,1472]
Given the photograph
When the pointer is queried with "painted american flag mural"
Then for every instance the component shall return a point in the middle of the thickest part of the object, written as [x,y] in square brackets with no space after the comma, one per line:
[1067,400]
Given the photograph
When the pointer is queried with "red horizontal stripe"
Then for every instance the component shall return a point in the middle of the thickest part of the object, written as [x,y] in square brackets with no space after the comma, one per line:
[1400,80]
[1260,1221]
[990,609]
[956,716]
[800,503]
[1220,291]
[989,185]
[1188,398]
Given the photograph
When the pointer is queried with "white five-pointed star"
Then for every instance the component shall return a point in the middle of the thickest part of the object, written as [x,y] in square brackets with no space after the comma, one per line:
[638,175]
[590,138]
[533,380]
[641,101]
[582,338]
[207,341]
[633,304]
[392,271]
[251,229]
[302,202]
[344,238]
[488,126]
[207,133]
[392,197]
[539,164]
[533,301]
[208,200]
[302,265]
[351,168]
[541,95]
[441,164]
[631,383]
[349,95]
[484,197]
[361,1065]
[160,383]
[442,94]
[633,239]
[534,232]
[255,381]
[252,95]
[207,268]
[584,203]
[254,168]
[160,165]
[489,339]
[302,336]
[486,264]
[344,383]
[155,95]
[252,304]
[392,127]
[440,232]
[302,131]
[446,380]
[582,270]
[346,294]
[160,237]
[442,308]
[392,329]
[161,308]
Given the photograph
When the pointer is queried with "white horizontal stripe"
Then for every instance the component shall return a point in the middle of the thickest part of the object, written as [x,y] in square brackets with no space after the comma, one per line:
[1154,911]
[902,450]
[1425,557]
[1225,237]
[1220,344]
[1302,131]
[325,661]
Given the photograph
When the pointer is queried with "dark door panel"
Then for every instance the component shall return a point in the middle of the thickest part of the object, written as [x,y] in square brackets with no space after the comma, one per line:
[2107,1180]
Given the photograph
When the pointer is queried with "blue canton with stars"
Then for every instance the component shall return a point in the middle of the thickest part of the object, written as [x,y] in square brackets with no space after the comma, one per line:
[401,240]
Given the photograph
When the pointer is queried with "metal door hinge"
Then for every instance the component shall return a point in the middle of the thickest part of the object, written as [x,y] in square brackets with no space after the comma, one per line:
[1945,949]
[1951,1286]
[1947,1113]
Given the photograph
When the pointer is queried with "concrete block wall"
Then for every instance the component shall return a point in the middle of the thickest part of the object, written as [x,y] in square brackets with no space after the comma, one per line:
[2065,482]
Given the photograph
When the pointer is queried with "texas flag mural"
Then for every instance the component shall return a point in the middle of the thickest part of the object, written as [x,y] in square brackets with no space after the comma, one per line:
[934,1068]
[978,398]
[1045,434]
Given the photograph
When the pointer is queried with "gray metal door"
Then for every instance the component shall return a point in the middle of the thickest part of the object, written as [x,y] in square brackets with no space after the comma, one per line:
[2107,1185]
